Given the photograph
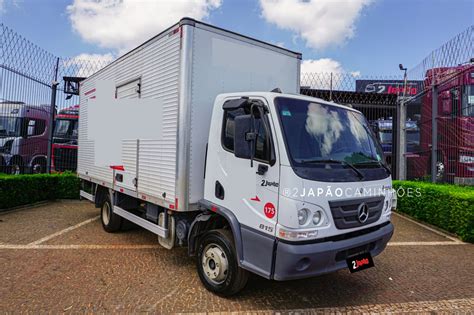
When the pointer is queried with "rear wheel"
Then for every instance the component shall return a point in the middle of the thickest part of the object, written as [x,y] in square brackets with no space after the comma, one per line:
[38,166]
[217,263]
[110,221]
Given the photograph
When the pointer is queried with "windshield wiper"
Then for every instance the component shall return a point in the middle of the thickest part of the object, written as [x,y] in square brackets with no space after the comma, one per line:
[379,163]
[325,161]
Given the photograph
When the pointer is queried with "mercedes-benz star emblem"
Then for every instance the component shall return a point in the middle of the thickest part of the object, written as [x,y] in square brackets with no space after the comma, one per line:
[363,212]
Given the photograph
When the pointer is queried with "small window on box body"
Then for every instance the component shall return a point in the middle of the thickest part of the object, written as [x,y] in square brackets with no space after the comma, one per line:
[129,89]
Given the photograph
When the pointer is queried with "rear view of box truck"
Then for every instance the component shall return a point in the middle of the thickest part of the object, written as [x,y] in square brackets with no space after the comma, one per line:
[183,137]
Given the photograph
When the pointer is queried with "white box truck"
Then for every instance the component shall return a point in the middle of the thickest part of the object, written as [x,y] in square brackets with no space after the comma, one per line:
[177,137]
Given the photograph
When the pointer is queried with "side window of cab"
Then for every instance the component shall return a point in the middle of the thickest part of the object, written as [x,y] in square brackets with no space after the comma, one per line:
[263,151]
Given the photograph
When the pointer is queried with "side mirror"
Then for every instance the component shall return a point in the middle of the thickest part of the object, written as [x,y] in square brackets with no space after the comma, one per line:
[24,128]
[243,139]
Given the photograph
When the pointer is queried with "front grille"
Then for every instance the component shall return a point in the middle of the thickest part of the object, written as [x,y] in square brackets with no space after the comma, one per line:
[65,159]
[345,212]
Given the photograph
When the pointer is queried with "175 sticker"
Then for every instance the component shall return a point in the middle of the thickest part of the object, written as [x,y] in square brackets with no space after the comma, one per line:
[269,210]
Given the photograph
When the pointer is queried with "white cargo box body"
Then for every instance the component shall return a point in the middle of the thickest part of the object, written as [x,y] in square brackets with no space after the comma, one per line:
[181,70]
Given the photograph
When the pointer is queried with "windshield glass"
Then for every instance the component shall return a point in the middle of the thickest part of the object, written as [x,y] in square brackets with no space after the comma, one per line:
[65,128]
[468,101]
[385,136]
[9,126]
[413,137]
[314,131]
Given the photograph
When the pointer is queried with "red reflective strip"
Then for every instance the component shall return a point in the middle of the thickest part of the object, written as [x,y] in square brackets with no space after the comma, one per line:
[214,208]
[89,92]
[117,167]
[176,203]
[63,116]
[171,206]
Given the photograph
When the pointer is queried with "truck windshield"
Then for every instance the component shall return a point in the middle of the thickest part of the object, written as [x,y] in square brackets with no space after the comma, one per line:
[468,101]
[413,137]
[65,128]
[9,126]
[315,133]
[385,136]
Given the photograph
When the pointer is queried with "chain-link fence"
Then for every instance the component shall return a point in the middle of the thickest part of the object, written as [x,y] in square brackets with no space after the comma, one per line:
[439,126]
[38,121]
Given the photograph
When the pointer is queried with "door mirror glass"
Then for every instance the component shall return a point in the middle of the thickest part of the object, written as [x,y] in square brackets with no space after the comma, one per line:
[243,140]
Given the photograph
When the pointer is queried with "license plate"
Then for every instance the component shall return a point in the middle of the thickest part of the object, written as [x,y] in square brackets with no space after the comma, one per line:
[360,262]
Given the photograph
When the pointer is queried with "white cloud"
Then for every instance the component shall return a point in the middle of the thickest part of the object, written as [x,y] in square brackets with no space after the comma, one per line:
[8,3]
[325,73]
[321,23]
[84,65]
[326,65]
[123,24]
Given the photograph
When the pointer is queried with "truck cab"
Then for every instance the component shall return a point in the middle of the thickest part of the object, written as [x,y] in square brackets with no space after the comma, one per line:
[455,124]
[23,137]
[383,129]
[304,180]
[64,157]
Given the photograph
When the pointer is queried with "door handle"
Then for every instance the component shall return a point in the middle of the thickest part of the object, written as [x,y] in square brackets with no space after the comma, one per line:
[262,169]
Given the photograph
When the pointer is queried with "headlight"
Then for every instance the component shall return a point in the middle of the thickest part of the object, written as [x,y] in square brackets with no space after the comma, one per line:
[317,216]
[466,159]
[303,215]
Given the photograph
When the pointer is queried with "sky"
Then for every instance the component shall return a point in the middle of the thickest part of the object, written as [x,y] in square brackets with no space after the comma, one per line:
[370,37]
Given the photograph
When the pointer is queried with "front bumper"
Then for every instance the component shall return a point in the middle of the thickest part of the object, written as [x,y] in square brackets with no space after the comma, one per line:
[296,261]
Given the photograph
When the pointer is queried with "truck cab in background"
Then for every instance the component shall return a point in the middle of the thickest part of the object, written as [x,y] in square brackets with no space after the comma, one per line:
[64,152]
[455,126]
[383,128]
[23,137]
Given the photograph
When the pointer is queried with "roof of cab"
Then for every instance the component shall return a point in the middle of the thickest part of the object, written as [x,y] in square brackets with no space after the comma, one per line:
[273,95]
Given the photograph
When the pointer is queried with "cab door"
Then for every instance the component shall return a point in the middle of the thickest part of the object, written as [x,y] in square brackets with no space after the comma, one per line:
[250,188]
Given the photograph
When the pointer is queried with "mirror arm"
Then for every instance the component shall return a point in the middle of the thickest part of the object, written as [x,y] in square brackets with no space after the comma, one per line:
[252,130]
[267,131]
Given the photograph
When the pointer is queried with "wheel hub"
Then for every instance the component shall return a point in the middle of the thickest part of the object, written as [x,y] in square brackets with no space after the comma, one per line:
[215,263]
[106,213]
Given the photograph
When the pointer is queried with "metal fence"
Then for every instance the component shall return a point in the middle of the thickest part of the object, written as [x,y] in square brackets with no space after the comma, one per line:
[38,121]
[424,120]
[439,115]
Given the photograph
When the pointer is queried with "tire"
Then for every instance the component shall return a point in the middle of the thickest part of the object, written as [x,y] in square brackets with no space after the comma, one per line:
[15,167]
[110,221]
[217,263]
[38,167]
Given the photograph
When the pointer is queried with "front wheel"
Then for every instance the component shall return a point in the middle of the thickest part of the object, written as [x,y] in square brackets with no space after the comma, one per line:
[15,167]
[217,263]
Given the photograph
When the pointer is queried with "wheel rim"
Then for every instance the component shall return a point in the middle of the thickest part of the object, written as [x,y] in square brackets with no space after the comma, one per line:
[106,213]
[215,264]
[15,170]
[37,168]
